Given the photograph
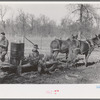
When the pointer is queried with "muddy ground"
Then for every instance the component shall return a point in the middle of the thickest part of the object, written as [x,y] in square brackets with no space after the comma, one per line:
[74,75]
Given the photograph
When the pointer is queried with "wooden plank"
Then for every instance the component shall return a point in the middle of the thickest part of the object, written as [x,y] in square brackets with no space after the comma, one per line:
[6,65]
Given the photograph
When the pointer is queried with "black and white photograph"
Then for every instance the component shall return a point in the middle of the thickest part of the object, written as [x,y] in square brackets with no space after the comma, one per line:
[49,43]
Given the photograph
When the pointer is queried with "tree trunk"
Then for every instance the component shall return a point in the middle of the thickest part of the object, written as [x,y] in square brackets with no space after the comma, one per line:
[81,21]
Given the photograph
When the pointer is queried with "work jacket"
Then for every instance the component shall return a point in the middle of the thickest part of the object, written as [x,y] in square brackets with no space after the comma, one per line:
[4,45]
[34,57]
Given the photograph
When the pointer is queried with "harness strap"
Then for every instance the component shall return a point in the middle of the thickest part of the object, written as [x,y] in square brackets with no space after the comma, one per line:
[88,45]
[79,43]
[59,42]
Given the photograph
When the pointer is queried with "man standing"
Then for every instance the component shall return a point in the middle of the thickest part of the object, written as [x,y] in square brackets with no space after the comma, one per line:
[3,46]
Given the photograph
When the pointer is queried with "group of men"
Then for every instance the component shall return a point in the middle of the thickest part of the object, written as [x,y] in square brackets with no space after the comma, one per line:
[34,59]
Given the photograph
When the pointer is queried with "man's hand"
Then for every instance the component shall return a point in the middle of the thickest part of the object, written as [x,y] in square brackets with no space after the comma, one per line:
[2,46]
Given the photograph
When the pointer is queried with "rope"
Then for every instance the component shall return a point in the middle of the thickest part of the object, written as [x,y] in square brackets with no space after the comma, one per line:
[29,40]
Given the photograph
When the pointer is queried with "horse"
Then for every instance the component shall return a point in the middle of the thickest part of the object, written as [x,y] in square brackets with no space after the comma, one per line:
[83,48]
[61,46]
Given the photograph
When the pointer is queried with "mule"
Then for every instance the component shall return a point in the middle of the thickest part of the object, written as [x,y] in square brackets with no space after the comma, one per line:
[83,48]
[61,46]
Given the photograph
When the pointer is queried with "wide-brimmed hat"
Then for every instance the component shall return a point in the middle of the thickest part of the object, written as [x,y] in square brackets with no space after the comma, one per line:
[2,33]
[36,46]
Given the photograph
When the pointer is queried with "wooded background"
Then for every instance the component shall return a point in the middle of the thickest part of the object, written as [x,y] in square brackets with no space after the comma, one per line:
[83,19]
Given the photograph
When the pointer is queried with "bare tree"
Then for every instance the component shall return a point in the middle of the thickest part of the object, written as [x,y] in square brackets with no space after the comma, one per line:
[21,20]
[44,21]
[31,22]
[87,15]
[3,11]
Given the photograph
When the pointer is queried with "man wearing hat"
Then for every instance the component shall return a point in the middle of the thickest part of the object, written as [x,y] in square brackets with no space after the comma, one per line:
[33,58]
[3,46]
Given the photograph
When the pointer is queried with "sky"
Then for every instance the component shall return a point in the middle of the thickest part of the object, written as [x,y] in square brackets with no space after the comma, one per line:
[55,11]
